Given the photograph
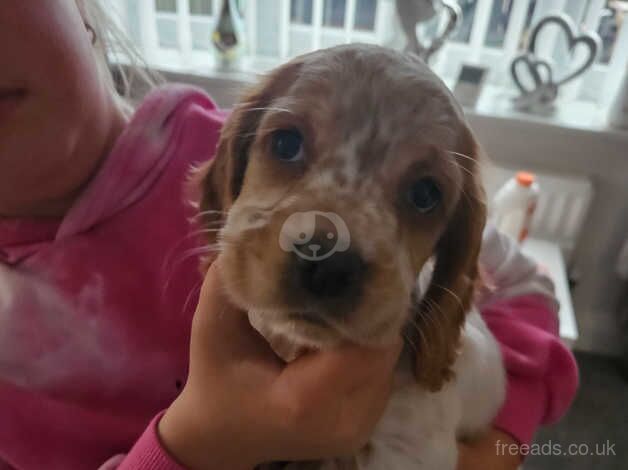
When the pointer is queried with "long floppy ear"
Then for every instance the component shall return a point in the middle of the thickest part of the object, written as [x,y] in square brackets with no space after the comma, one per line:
[440,315]
[221,179]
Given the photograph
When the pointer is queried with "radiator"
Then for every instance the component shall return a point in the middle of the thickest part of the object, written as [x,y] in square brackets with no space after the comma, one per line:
[562,207]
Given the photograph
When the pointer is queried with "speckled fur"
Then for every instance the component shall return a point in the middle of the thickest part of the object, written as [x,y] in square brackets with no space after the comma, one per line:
[373,121]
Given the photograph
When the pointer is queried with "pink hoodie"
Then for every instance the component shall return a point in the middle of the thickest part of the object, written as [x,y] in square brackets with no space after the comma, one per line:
[95,309]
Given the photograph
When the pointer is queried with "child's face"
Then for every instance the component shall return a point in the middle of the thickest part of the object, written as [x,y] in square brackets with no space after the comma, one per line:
[57,118]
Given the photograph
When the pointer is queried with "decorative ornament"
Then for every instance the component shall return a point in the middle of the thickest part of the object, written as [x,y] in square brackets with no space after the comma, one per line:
[228,35]
[412,12]
[544,91]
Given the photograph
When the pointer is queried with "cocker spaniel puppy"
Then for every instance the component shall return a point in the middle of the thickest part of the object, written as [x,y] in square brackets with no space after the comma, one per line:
[346,189]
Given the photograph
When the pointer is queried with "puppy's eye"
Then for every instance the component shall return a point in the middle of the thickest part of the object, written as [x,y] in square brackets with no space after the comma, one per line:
[425,195]
[287,145]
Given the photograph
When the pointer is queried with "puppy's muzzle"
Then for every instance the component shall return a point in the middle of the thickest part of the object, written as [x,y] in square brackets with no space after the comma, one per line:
[333,283]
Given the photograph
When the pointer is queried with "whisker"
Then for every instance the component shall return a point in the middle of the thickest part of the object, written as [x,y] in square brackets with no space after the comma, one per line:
[466,170]
[189,235]
[211,223]
[409,341]
[168,264]
[419,330]
[429,314]
[257,132]
[196,289]
[433,317]
[452,293]
[468,157]
[208,212]
[202,250]
[207,230]
[469,197]
[242,107]
[201,231]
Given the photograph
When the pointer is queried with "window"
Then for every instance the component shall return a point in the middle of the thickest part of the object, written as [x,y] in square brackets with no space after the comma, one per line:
[301,11]
[365,15]
[498,24]
[169,6]
[200,7]
[612,17]
[168,33]
[527,25]
[176,33]
[166,22]
[334,13]
[463,33]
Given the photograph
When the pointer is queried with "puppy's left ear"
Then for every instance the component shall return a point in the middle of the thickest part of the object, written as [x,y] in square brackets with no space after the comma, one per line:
[440,315]
[221,179]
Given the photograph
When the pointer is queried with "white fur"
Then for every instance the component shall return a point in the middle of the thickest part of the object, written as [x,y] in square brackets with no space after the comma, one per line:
[419,429]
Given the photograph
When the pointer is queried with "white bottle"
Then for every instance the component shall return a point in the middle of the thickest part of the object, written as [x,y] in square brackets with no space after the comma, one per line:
[514,205]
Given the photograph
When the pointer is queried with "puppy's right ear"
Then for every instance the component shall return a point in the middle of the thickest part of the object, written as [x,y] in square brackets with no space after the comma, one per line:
[221,179]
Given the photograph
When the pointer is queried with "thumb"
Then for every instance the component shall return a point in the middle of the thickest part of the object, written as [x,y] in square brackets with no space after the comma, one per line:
[215,308]
[221,331]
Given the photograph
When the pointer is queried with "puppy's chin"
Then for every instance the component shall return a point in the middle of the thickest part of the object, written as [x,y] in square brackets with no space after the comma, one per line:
[254,282]
[290,335]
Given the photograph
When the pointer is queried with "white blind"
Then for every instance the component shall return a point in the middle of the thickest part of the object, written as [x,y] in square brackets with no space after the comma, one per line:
[175,34]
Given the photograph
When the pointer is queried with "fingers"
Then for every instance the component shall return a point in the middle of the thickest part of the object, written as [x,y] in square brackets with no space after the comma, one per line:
[215,315]
[337,395]
[334,396]
[341,370]
[213,293]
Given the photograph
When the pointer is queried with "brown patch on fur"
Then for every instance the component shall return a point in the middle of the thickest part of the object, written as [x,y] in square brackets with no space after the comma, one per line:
[398,130]
[450,294]
[223,177]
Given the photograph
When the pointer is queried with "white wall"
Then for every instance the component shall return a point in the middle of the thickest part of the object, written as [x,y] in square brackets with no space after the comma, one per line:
[603,157]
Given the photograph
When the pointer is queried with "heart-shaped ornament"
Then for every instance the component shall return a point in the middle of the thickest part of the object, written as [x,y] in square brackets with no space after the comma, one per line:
[412,12]
[589,41]
[537,69]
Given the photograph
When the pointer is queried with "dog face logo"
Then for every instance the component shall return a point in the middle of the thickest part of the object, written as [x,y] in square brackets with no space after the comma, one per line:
[314,235]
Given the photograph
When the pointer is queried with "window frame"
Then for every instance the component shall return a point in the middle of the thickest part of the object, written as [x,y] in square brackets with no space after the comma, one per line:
[598,84]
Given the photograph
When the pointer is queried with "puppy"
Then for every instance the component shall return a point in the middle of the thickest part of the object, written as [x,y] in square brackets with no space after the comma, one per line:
[346,188]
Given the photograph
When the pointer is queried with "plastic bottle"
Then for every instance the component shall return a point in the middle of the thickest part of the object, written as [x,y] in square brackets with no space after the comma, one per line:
[514,205]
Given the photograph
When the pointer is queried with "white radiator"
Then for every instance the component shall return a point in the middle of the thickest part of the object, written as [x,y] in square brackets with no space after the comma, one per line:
[562,208]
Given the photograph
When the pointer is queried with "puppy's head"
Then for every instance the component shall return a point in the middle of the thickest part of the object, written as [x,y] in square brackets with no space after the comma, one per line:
[342,178]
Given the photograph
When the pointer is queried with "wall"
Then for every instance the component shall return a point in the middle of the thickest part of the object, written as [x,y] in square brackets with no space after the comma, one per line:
[603,157]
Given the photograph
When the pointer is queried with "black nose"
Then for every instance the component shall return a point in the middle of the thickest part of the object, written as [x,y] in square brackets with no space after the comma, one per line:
[339,275]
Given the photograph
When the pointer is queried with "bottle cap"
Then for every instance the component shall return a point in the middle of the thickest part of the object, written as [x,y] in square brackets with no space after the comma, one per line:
[525,178]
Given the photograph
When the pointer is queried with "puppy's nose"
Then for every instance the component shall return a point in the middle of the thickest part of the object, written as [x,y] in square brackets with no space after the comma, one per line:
[339,275]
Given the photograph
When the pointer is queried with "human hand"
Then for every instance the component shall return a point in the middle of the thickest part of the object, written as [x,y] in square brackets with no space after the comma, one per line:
[489,452]
[242,405]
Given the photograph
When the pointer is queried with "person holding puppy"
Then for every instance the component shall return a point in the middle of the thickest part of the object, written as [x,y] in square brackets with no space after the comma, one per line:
[104,361]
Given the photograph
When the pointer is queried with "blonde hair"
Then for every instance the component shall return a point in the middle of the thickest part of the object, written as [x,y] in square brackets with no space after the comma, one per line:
[120,63]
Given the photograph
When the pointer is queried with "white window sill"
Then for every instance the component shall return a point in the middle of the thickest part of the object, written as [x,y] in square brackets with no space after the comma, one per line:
[586,116]
[495,102]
